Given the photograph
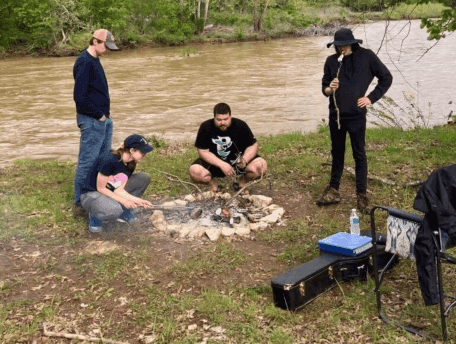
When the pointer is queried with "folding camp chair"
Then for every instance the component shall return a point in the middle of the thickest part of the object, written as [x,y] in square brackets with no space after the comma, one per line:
[402,229]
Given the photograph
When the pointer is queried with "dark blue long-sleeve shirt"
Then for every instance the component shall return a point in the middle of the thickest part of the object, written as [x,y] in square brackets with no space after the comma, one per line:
[91,93]
[356,73]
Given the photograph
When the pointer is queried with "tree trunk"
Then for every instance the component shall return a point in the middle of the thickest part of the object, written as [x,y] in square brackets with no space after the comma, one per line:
[205,11]
[255,20]
[198,10]
[260,20]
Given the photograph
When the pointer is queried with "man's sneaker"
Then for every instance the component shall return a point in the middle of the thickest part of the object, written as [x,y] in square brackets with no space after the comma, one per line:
[363,203]
[329,196]
[127,217]
[94,224]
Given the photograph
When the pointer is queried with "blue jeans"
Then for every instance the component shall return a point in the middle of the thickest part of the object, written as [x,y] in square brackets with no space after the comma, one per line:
[96,139]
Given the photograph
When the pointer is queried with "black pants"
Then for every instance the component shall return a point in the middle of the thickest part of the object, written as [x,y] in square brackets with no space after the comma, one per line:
[356,128]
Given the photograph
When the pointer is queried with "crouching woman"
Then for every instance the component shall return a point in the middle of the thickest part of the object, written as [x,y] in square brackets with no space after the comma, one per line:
[112,189]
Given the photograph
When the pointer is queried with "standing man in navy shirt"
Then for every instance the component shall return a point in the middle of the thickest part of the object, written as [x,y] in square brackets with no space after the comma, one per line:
[91,95]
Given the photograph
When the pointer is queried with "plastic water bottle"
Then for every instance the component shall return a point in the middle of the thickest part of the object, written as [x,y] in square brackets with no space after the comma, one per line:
[354,223]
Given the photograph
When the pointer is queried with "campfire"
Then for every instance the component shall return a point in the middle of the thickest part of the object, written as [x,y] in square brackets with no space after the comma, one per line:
[223,215]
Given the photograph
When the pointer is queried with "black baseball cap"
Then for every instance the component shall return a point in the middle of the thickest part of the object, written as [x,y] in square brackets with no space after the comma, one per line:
[138,142]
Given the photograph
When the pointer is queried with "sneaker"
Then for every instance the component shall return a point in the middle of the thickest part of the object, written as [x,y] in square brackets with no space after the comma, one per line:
[329,196]
[94,224]
[127,217]
[363,203]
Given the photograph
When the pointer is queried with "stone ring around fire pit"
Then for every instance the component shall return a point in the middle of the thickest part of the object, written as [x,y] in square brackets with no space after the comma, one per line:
[195,217]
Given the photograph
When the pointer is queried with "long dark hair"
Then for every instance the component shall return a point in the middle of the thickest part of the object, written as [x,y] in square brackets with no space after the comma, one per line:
[354,47]
[131,165]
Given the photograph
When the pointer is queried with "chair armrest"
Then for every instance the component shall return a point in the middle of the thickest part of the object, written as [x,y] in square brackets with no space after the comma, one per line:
[404,215]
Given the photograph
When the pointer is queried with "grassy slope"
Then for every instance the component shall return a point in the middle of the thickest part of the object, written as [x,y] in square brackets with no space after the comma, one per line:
[35,204]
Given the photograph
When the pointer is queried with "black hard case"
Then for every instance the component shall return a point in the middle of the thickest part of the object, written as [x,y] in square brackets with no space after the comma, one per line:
[299,286]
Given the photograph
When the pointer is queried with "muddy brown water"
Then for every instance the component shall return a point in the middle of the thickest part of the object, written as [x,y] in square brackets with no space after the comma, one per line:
[273,85]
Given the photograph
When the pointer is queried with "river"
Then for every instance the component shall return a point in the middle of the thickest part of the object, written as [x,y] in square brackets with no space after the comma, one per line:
[273,85]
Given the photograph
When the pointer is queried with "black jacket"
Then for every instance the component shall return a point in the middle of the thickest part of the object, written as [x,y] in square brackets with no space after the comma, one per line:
[437,199]
[356,74]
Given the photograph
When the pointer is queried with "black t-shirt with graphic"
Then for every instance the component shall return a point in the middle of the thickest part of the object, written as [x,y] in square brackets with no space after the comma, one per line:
[108,165]
[226,145]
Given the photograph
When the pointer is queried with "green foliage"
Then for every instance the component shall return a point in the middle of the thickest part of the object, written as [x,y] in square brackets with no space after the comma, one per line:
[446,22]
[365,5]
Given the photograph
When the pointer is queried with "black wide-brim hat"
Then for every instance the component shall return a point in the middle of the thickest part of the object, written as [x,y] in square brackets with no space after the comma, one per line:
[344,37]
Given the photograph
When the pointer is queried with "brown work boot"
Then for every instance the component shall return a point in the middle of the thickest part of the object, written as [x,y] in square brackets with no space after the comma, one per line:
[329,196]
[363,203]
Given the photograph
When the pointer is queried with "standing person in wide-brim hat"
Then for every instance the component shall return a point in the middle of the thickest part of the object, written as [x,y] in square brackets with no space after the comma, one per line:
[347,76]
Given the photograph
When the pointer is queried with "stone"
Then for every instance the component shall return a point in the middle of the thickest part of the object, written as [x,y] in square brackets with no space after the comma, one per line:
[208,195]
[197,232]
[180,202]
[279,212]
[255,226]
[190,198]
[227,231]
[270,208]
[173,228]
[226,196]
[248,198]
[168,205]
[158,220]
[261,201]
[213,233]
[184,232]
[242,231]
[271,218]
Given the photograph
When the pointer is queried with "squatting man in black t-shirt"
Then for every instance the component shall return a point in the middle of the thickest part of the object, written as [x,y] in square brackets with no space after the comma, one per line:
[226,147]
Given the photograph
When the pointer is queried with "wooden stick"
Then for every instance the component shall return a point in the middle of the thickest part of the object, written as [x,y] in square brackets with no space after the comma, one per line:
[249,184]
[78,336]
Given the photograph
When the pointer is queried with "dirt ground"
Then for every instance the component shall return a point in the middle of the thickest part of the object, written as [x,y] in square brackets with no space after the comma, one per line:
[31,267]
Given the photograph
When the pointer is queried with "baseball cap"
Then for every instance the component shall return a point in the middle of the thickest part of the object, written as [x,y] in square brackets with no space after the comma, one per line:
[107,37]
[138,142]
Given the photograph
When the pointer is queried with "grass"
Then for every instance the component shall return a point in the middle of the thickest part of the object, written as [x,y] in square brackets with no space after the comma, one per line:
[137,291]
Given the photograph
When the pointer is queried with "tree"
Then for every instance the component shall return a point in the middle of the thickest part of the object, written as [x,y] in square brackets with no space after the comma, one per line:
[259,5]
[437,28]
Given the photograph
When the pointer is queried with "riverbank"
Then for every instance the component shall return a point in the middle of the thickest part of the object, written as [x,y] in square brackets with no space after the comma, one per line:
[314,20]
[141,286]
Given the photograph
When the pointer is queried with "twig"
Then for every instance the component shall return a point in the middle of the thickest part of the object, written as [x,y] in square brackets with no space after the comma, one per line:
[178,179]
[249,184]
[372,177]
[343,294]
[78,336]
[382,180]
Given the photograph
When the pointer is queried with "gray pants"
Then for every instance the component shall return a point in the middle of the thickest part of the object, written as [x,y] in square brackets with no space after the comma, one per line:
[106,208]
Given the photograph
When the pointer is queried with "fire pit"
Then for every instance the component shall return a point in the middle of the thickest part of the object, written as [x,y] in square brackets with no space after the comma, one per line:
[202,215]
